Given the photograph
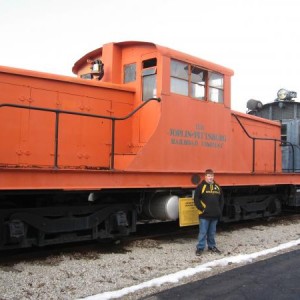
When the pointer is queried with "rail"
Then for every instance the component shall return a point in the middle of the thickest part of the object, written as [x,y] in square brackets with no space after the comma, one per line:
[58,112]
[254,139]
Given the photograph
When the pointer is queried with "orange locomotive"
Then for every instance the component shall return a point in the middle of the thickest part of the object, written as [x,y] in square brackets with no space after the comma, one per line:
[88,157]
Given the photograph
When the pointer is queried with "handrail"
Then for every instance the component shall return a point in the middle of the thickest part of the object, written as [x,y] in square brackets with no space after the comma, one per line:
[282,143]
[59,111]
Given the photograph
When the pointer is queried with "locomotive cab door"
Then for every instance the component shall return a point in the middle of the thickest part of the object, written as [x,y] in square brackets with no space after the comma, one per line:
[149,116]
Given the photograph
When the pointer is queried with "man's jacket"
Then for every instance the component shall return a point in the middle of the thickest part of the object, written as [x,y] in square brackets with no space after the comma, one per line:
[209,200]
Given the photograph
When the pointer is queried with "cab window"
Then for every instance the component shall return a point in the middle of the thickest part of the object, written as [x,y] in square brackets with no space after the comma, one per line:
[179,78]
[196,82]
[149,72]
[216,92]
[129,73]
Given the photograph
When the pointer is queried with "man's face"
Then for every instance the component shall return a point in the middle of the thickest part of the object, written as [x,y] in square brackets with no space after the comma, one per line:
[209,178]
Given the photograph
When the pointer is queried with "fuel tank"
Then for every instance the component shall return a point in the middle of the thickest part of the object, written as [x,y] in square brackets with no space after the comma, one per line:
[162,207]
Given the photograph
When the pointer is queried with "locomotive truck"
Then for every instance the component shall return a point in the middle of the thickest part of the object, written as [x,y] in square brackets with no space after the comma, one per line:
[89,157]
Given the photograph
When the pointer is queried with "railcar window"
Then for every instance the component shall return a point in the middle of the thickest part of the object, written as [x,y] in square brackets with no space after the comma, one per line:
[284,132]
[191,80]
[179,78]
[129,73]
[149,63]
[149,83]
[215,83]
[197,82]
[149,72]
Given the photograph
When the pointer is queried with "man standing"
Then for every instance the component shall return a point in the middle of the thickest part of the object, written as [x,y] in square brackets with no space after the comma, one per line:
[209,200]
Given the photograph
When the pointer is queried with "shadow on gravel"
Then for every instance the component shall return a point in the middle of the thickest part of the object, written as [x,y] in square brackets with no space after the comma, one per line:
[54,255]
[147,236]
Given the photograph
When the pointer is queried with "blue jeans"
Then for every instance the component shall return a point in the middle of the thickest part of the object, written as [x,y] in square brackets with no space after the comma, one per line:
[207,232]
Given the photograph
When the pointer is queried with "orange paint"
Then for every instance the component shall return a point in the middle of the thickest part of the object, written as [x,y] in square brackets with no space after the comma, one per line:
[162,144]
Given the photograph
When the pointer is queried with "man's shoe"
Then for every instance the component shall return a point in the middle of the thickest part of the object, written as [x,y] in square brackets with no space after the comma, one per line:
[214,250]
[199,252]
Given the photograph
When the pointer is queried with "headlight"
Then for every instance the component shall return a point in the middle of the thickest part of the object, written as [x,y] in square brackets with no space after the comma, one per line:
[284,94]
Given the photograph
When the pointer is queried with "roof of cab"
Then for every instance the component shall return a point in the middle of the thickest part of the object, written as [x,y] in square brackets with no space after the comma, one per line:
[163,51]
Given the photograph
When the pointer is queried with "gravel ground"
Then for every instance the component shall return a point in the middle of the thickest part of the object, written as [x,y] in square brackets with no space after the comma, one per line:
[80,274]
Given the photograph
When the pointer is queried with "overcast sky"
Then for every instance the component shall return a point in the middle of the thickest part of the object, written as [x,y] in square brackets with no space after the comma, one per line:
[258,39]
